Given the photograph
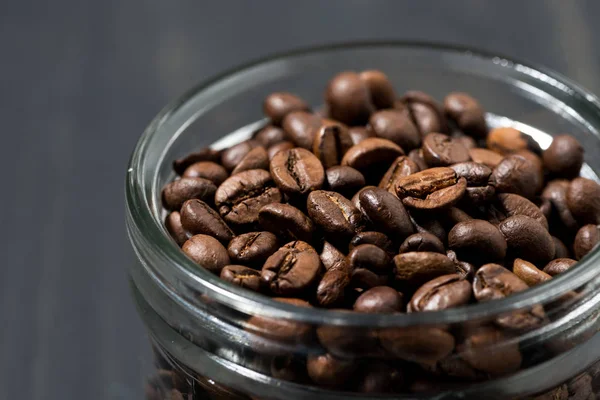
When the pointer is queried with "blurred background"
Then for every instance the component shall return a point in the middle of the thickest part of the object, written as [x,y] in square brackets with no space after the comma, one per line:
[80,80]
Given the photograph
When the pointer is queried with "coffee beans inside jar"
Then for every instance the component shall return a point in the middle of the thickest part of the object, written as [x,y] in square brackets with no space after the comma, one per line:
[388,203]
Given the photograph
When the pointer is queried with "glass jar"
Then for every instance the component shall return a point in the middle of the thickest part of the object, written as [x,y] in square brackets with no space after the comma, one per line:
[214,340]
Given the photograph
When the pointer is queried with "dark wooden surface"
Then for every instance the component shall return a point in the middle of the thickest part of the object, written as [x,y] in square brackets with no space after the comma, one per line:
[79,80]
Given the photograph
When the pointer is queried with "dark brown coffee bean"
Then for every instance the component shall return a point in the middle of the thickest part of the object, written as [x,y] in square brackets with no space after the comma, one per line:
[477,241]
[281,146]
[555,193]
[465,140]
[493,282]
[564,156]
[331,142]
[467,113]
[416,155]
[425,111]
[198,217]
[176,193]
[431,189]
[207,252]
[297,171]
[480,185]
[256,158]
[422,241]
[515,174]
[280,330]
[402,166]
[232,156]
[423,345]
[583,199]
[371,257]
[529,273]
[454,215]
[359,133]
[486,157]
[291,269]
[363,278]
[510,204]
[346,342]
[277,105]
[286,221]
[371,237]
[270,135]
[396,126]
[301,127]
[507,141]
[535,160]
[440,150]
[332,258]
[416,268]
[423,223]
[380,299]
[560,250]
[240,275]
[447,291]
[205,154]
[334,213]
[207,170]
[488,349]
[372,153]
[380,88]
[386,212]
[328,370]
[348,99]
[465,270]
[379,377]
[252,248]
[527,239]
[332,287]
[241,196]
[175,228]
[586,239]
[344,180]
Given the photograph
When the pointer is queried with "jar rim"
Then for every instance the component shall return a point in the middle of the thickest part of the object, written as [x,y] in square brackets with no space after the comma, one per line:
[144,224]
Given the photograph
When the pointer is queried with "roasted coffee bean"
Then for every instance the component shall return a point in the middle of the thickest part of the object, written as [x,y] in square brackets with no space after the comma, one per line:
[425,111]
[423,345]
[465,140]
[465,270]
[174,194]
[371,257]
[386,212]
[277,105]
[288,368]
[431,189]
[422,241]
[564,156]
[332,258]
[515,174]
[379,377]
[207,170]
[331,142]
[256,158]
[486,157]
[480,187]
[231,157]
[241,196]
[527,239]
[555,193]
[286,221]
[205,154]
[348,99]
[583,199]
[291,269]
[347,342]
[297,171]
[441,293]
[363,278]
[424,224]
[334,213]
[488,349]
[416,268]
[440,150]
[380,299]
[240,275]
[252,248]
[509,140]
[280,330]
[301,127]
[175,228]
[359,133]
[467,113]
[416,155]
[396,126]
[371,237]
[586,239]
[477,241]
[454,215]
[207,252]
[372,154]
[344,180]
[332,287]
[270,135]
[560,250]
[529,273]
[535,160]
[328,370]
[380,88]
[198,217]
[493,281]
[510,204]
[281,146]
[402,166]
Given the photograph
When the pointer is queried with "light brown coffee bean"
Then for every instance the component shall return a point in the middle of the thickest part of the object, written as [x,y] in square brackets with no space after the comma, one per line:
[441,293]
[207,252]
[433,188]
[198,217]
[416,268]
[486,157]
[207,170]
[332,258]
[508,140]
[291,269]
[558,266]
[529,273]
[440,150]
[281,146]
[175,193]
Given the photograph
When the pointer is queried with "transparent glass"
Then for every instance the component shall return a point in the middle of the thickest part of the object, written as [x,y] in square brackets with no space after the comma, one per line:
[228,342]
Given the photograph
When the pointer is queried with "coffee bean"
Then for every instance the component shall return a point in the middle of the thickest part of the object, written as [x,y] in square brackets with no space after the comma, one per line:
[467,113]
[328,370]
[586,239]
[205,154]
[477,241]
[424,224]
[241,196]
[372,154]
[535,160]
[555,193]
[515,174]
[231,157]
[396,126]
[332,258]
[301,127]
[288,368]
[198,217]
[561,250]
[508,204]
[564,156]
[207,252]
[402,166]
[371,257]
[345,342]
[423,345]
[286,221]
[371,237]
[348,99]
[277,105]
[174,194]
[207,170]
[332,287]
[240,275]
[252,248]
[380,299]
[270,135]
[529,273]
[175,228]
[488,349]
[380,88]
[454,215]
[480,185]
[527,239]
[447,291]
[256,158]
[431,189]
[509,140]
[425,111]
[297,171]
[344,180]
[331,142]
[334,213]
[583,199]
[465,140]
[359,133]
[385,212]
[486,157]
[291,269]
[464,269]
[280,330]
[380,377]
[416,268]
[440,150]
[416,155]
[276,148]
[493,281]
[422,241]
[363,278]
